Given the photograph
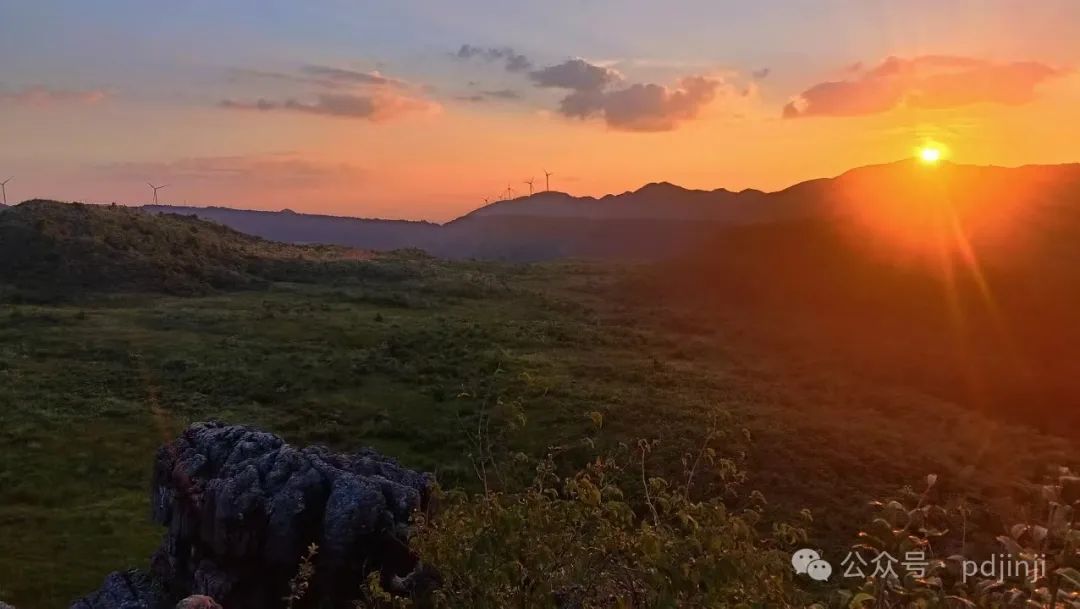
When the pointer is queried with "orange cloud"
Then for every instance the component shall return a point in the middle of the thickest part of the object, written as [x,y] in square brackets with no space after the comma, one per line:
[41,95]
[929,81]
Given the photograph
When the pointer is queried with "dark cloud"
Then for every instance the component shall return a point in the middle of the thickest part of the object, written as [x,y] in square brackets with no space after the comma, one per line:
[643,107]
[499,94]
[511,59]
[929,81]
[576,74]
[377,107]
[503,94]
[594,92]
[761,74]
[41,95]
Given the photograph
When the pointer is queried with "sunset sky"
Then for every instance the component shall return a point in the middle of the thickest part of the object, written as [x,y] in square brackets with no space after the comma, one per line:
[419,110]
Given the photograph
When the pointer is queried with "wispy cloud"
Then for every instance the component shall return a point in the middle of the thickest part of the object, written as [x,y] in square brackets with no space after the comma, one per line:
[376,107]
[320,76]
[41,95]
[267,169]
[345,93]
[928,81]
[342,76]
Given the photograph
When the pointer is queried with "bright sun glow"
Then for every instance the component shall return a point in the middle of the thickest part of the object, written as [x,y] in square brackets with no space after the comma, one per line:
[930,155]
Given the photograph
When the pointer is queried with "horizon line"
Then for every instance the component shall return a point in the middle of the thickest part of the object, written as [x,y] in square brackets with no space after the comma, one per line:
[906,160]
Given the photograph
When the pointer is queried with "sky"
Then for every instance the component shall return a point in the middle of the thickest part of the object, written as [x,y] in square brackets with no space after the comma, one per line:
[422,110]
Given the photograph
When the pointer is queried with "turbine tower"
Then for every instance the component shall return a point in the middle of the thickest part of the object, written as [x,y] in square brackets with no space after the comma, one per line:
[3,189]
[156,188]
[547,179]
[530,183]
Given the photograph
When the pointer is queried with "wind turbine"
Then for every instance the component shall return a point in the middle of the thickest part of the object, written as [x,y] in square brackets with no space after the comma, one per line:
[547,179]
[509,192]
[530,183]
[156,188]
[3,189]
[485,200]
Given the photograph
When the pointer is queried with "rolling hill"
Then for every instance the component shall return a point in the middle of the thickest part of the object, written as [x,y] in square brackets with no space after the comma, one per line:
[51,248]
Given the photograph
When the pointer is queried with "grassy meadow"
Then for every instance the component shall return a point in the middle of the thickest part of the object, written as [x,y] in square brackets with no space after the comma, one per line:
[403,353]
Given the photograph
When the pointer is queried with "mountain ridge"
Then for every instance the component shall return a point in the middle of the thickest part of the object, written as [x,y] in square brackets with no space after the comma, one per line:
[653,221]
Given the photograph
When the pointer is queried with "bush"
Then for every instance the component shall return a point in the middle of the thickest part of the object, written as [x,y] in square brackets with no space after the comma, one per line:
[608,535]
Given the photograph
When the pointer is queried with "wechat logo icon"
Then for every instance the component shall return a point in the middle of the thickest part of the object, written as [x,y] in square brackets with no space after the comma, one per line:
[809,562]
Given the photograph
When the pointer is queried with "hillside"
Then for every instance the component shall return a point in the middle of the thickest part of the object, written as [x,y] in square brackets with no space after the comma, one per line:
[289,226]
[961,283]
[819,351]
[52,248]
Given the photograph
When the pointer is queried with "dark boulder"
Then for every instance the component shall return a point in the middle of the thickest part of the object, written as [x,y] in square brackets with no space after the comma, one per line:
[241,507]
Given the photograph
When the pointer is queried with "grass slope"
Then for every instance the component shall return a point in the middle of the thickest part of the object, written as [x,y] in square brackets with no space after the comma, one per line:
[51,249]
[403,352]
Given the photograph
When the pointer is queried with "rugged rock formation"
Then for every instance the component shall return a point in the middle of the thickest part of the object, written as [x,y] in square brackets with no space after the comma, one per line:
[240,508]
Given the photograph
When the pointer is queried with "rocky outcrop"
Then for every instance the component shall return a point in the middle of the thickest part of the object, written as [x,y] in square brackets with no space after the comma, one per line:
[241,506]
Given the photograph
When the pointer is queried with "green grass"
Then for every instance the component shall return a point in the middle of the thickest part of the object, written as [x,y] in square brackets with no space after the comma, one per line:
[89,390]
[400,353]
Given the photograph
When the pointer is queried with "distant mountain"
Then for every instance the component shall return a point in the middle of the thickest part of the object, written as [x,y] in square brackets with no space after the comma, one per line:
[654,221]
[291,227]
[653,201]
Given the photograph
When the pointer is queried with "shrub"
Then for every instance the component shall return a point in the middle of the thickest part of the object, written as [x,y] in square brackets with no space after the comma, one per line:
[608,535]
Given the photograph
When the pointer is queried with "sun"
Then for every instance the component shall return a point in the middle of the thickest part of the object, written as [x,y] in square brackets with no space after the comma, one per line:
[930,154]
